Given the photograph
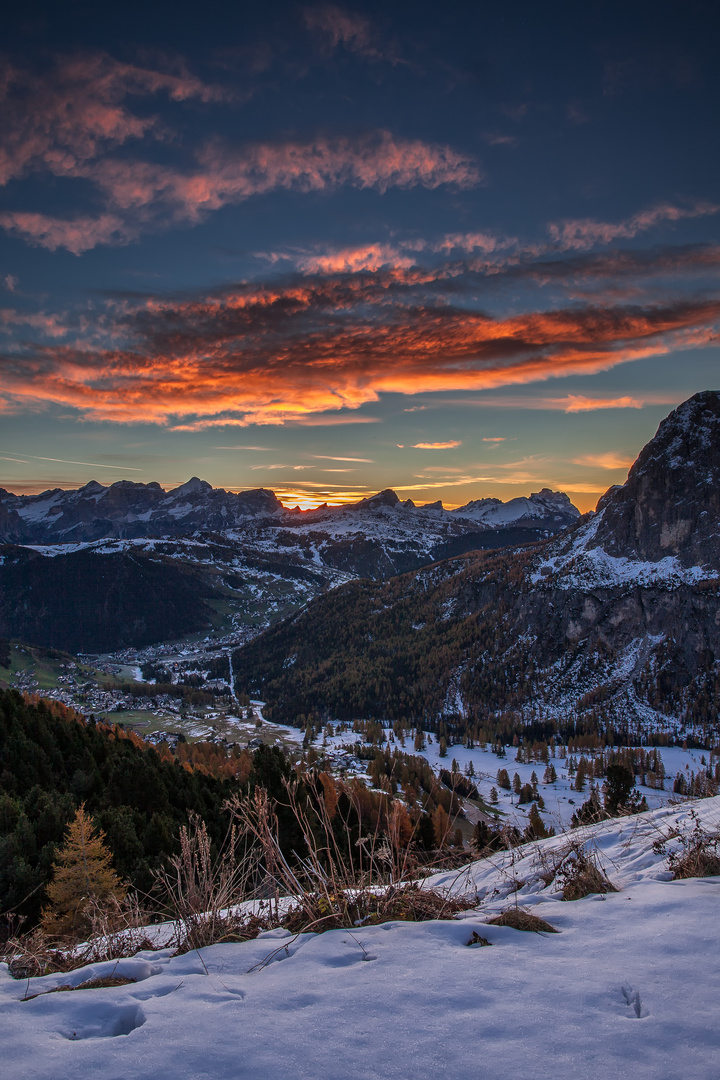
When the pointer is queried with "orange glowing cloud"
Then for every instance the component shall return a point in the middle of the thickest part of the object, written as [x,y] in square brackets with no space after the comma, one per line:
[436,445]
[580,235]
[139,195]
[76,110]
[67,121]
[301,352]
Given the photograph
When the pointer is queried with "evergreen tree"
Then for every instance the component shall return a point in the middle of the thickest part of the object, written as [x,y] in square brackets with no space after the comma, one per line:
[619,784]
[579,784]
[536,829]
[503,779]
[550,775]
[83,875]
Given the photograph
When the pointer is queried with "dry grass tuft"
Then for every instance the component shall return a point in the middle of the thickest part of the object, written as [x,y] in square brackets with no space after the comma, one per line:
[100,983]
[576,872]
[695,851]
[519,919]
[582,876]
[697,863]
[103,983]
[369,907]
[118,930]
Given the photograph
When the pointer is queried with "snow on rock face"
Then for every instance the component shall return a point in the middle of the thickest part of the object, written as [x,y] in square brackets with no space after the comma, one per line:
[192,487]
[618,993]
[375,537]
[551,505]
[582,564]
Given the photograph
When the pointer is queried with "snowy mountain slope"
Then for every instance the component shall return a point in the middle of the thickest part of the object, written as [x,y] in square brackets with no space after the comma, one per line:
[629,987]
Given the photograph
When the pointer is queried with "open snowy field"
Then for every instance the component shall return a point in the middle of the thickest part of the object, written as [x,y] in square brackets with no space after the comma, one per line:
[560,798]
[629,987]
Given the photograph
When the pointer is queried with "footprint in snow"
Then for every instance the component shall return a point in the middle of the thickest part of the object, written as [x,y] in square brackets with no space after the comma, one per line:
[105,1021]
[634,1001]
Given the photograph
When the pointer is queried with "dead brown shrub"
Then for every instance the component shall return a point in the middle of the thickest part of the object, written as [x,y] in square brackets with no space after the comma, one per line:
[519,919]
[119,929]
[579,876]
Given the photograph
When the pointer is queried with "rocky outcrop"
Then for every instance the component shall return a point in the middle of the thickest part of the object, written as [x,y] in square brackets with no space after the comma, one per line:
[670,503]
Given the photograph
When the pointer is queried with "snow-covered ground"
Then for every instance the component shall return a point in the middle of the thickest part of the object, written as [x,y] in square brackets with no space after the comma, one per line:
[628,988]
[561,799]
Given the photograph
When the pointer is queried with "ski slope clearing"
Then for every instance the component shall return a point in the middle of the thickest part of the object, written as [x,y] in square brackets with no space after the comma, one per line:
[628,987]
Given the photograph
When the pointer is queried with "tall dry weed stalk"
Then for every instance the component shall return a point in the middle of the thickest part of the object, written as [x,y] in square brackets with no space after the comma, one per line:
[353,867]
[203,890]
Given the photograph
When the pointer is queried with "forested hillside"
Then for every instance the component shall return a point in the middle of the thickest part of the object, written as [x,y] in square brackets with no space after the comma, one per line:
[87,602]
[51,761]
[388,649]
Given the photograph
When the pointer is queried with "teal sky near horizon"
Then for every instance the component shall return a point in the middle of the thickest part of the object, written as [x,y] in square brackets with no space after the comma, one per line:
[331,248]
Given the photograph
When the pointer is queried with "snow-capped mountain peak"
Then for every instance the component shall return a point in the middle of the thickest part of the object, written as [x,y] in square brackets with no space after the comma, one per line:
[551,506]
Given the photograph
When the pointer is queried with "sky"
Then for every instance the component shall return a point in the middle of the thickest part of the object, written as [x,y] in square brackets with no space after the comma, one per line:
[460,250]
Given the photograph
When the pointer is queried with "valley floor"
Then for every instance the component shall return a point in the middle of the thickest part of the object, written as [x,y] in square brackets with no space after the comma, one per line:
[629,987]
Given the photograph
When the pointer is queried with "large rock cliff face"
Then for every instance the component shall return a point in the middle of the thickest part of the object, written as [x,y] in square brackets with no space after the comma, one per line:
[670,503]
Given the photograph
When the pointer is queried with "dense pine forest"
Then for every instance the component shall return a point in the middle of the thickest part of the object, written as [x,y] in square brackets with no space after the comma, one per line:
[52,761]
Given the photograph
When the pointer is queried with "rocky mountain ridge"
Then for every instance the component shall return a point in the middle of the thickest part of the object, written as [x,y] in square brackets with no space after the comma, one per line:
[85,570]
[614,623]
[128,510]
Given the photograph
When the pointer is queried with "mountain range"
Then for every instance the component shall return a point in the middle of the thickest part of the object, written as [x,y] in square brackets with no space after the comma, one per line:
[480,621]
[614,624]
[101,568]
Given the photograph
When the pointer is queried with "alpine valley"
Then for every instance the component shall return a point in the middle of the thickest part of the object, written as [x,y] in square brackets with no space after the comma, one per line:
[480,622]
[104,568]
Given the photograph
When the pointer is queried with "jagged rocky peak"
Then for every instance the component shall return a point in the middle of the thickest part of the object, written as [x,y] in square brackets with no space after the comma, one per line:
[670,502]
[383,498]
[258,501]
[91,489]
